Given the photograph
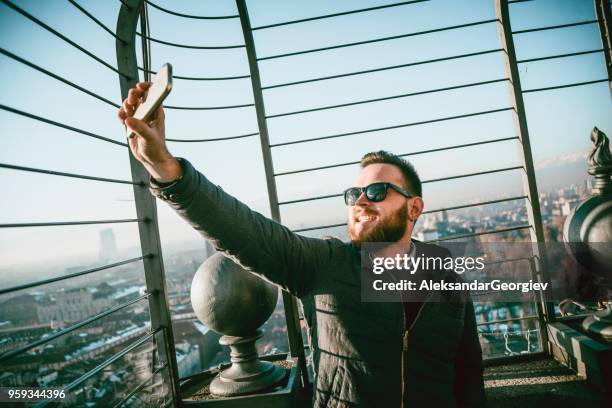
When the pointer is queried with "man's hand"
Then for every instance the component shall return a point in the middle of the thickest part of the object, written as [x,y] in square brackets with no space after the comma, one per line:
[149,143]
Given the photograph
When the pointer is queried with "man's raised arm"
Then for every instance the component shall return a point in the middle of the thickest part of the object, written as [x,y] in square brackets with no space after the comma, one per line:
[256,242]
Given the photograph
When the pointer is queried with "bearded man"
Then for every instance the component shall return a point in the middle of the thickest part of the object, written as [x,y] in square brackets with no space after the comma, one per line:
[370,354]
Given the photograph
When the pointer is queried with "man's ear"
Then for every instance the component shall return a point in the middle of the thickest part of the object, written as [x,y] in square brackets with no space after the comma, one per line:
[416,208]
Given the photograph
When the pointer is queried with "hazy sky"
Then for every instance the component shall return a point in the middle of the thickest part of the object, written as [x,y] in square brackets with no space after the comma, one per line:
[559,121]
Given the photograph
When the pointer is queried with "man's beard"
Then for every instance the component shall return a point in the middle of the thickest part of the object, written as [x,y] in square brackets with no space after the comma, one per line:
[390,230]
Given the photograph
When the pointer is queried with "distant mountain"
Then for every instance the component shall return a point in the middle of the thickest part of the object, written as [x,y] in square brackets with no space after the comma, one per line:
[561,171]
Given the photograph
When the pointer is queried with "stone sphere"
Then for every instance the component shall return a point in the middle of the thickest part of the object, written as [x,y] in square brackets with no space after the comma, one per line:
[229,299]
[590,223]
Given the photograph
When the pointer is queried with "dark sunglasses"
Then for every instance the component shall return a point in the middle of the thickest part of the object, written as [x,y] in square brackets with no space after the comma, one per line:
[375,192]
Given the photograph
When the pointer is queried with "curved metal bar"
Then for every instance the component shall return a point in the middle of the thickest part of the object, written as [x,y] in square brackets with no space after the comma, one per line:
[343,13]
[531,30]
[550,88]
[395,37]
[65,223]
[303,200]
[342,224]
[58,124]
[475,234]
[111,360]
[360,132]
[478,173]
[141,385]
[150,241]
[387,98]
[55,76]
[61,36]
[604,17]
[95,20]
[188,78]
[69,276]
[174,13]
[369,71]
[193,47]
[515,93]
[439,149]
[457,207]
[518,259]
[60,173]
[247,105]
[533,317]
[13,353]
[478,204]
[294,332]
[572,54]
[218,139]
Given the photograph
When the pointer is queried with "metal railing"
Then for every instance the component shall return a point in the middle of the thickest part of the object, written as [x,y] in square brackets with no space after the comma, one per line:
[10,354]
[128,69]
[51,30]
[450,208]
[263,116]
[69,276]
[502,20]
[161,335]
[404,125]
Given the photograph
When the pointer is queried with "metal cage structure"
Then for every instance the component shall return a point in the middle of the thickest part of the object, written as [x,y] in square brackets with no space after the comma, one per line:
[163,374]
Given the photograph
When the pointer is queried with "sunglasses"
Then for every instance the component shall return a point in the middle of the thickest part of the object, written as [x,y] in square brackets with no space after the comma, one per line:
[375,192]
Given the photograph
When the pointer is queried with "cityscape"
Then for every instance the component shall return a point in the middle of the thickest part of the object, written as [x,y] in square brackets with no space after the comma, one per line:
[34,314]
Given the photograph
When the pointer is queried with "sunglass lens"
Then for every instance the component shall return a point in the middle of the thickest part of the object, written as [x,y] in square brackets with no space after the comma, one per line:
[351,196]
[376,192]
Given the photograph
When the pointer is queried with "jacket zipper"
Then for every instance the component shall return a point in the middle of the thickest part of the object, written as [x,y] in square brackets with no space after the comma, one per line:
[405,338]
[405,344]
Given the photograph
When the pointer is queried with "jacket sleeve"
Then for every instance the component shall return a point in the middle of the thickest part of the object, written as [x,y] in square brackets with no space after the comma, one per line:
[469,381]
[257,243]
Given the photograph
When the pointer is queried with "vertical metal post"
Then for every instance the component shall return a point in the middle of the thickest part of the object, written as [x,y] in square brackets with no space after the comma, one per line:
[602,11]
[520,125]
[296,343]
[520,119]
[539,304]
[145,204]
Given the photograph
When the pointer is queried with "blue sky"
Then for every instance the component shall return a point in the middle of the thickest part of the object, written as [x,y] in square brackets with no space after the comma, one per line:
[559,121]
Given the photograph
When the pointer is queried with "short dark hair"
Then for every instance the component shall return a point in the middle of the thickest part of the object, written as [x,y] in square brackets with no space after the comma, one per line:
[411,177]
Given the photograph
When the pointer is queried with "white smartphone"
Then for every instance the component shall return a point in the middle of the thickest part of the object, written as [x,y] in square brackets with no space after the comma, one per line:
[157,92]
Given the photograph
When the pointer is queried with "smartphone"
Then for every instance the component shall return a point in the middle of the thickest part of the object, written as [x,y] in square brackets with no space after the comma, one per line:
[157,92]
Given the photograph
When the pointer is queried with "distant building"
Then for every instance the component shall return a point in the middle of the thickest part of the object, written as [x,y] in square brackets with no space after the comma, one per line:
[8,379]
[19,309]
[434,227]
[429,234]
[195,333]
[568,206]
[108,245]
[71,305]
[46,377]
[187,359]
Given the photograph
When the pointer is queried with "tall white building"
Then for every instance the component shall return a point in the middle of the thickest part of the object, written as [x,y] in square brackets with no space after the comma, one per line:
[108,245]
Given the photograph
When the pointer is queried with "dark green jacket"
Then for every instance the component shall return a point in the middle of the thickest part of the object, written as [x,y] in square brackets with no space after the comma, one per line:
[359,353]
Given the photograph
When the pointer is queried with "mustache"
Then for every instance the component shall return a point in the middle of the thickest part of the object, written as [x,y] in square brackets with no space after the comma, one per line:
[366,212]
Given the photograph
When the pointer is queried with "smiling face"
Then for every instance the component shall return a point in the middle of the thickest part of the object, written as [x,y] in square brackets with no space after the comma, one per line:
[390,220]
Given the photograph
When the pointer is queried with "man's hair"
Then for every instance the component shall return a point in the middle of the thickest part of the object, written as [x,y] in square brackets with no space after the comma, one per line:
[411,177]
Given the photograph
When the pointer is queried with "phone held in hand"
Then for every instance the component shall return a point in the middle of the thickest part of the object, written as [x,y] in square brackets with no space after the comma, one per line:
[157,92]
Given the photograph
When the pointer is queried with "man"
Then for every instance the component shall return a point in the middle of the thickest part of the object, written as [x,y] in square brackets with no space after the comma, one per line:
[374,354]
